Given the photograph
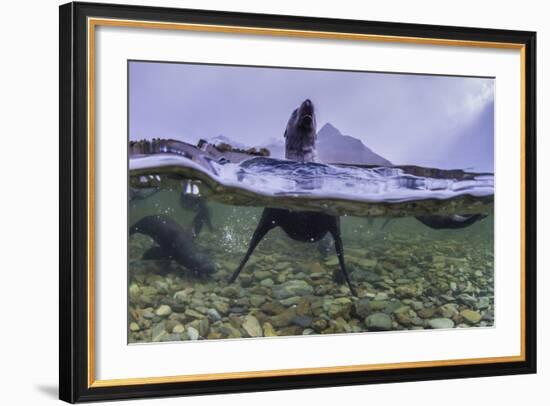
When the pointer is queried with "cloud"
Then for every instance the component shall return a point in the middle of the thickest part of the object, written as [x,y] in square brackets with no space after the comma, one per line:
[476,98]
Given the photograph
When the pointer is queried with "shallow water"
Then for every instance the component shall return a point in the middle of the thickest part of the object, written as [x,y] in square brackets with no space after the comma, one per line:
[407,275]
[332,188]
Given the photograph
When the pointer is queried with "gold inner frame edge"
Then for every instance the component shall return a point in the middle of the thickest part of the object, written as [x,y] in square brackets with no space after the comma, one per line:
[92,23]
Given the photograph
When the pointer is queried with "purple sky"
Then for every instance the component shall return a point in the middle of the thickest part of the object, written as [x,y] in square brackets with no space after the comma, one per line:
[436,121]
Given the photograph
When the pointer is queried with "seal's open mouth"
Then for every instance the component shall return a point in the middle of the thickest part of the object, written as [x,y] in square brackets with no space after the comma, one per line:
[306,121]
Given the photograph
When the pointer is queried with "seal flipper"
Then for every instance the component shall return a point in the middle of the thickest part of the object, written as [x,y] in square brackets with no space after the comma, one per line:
[386,222]
[198,222]
[334,230]
[203,217]
[208,220]
[267,223]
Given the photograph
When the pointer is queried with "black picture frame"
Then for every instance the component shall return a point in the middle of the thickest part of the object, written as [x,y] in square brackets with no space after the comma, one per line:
[74,385]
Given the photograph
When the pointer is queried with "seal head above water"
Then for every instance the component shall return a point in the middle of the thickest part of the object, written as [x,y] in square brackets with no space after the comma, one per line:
[301,134]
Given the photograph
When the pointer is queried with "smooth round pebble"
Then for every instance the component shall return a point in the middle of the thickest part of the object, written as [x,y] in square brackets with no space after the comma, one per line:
[441,322]
[378,322]
[471,316]
[192,333]
[163,311]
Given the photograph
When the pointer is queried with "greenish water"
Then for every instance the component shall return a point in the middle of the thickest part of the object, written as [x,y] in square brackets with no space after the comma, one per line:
[407,276]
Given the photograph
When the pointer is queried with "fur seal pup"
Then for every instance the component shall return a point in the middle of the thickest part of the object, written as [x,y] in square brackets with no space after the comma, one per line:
[301,134]
[302,226]
[305,226]
[453,221]
[174,243]
[441,222]
[199,206]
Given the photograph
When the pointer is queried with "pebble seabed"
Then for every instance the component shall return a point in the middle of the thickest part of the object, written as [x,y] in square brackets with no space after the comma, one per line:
[401,284]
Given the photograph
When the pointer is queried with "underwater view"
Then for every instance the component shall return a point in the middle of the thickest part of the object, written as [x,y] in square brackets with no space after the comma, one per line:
[311,231]
[405,274]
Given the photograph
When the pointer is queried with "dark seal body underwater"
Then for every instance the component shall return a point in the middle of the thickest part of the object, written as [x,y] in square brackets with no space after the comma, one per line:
[198,205]
[173,243]
[454,221]
[304,226]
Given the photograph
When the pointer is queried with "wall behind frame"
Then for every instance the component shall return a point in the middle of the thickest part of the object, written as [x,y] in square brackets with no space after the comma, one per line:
[29,202]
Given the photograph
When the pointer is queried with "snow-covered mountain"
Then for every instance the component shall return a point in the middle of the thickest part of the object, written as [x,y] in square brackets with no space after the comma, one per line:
[275,146]
[226,140]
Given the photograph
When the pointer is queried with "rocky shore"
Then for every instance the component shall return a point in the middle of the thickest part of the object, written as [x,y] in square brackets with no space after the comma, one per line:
[426,283]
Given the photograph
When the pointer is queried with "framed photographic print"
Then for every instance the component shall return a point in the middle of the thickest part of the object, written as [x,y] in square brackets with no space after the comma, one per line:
[256,202]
